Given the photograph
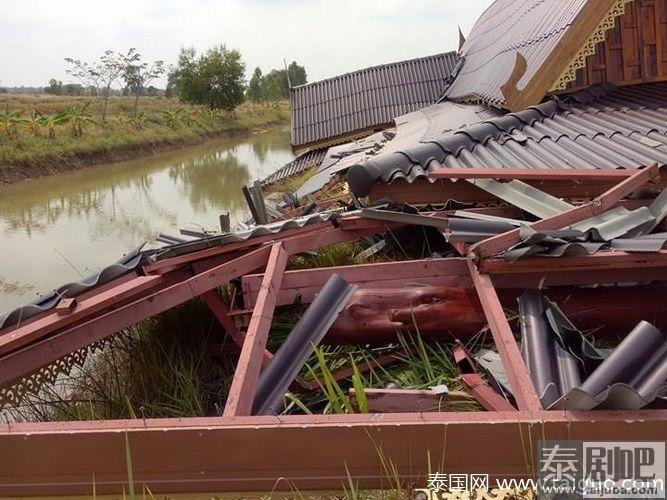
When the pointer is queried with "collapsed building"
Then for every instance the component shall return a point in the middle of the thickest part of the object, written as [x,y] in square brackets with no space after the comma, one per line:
[532,160]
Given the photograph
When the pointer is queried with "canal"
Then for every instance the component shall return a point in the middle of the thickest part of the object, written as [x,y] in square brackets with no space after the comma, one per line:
[61,228]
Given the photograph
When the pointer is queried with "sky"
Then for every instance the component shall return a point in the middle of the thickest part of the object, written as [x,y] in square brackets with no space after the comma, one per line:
[327,37]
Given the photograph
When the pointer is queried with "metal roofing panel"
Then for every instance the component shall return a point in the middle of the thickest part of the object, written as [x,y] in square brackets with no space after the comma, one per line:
[530,27]
[569,373]
[524,196]
[296,166]
[119,268]
[309,331]
[367,98]
[587,129]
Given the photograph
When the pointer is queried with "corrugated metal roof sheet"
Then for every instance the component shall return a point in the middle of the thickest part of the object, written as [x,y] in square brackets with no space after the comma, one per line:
[138,257]
[296,166]
[601,127]
[367,98]
[530,27]
[570,373]
[49,300]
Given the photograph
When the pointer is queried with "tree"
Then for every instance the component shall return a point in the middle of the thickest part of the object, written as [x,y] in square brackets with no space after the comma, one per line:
[138,75]
[73,89]
[254,91]
[275,84]
[55,87]
[214,79]
[297,74]
[103,73]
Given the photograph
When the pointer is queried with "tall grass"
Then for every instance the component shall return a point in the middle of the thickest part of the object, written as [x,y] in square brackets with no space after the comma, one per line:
[419,365]
[163,367]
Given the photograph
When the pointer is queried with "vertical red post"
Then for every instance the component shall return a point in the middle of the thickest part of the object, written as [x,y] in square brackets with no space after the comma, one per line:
[242,391]
[515,368]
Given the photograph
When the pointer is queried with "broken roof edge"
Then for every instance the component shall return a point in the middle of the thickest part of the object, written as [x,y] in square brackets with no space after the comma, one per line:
[361,176]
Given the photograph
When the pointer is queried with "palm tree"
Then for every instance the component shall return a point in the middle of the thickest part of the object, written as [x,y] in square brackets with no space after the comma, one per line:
[76,116]
[9,120]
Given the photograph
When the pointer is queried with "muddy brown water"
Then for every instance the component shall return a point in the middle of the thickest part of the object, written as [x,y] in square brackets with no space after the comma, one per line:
[58,229]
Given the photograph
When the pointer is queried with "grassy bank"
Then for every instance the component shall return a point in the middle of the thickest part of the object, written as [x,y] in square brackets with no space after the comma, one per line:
[40,135]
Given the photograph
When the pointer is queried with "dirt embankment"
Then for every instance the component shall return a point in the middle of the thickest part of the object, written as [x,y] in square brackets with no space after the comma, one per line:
[10,174]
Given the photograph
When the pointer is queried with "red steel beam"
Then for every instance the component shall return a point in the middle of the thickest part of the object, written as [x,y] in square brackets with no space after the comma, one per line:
[347,373]
[484,393]
[302,285]
[515,368]
[221,312]
[614,266]
[475,384]
[309,452]
[21,335]
[602,203]
[412,400]
[353,224]
[244,384]
[29,358]
[563,174]
[425,191]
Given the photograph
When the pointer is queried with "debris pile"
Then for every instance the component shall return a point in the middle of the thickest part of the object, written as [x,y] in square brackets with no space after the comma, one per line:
[490,251]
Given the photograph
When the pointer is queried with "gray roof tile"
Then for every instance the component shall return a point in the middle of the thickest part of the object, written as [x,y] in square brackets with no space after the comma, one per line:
[601,127]
[367,98]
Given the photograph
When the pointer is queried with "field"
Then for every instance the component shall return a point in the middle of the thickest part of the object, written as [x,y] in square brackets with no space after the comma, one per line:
[42,134]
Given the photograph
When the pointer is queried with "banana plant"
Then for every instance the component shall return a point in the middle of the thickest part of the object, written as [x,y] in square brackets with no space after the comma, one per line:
[9,120]
[139,120]
[39,122]
[174,118]
[211,114]
[77,116]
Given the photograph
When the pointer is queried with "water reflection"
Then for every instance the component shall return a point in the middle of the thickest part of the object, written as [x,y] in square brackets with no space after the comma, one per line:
[54,229]
[212,181]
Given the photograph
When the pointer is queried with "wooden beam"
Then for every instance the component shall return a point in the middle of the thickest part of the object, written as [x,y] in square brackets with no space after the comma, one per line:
[242,391]
[550,69]
[303,284]
[515,368]
[602,203]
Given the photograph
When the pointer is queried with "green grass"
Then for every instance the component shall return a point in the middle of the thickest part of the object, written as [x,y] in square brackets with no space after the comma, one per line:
[161,121]
[162,367]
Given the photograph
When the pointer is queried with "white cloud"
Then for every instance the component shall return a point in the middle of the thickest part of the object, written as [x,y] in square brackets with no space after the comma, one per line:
[328,37]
